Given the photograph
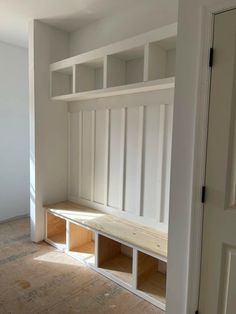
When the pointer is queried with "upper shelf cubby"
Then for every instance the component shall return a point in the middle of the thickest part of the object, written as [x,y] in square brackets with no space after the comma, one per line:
[161,59]
[89,75]
[142,63]
[62,81]
[125,67]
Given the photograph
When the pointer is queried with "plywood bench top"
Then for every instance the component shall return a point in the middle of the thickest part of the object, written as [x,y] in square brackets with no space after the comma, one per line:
[135,234]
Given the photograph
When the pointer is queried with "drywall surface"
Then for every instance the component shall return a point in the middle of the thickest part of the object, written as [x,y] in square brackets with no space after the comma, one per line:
[130,22]
[14,132]
[183,154]
[48,125]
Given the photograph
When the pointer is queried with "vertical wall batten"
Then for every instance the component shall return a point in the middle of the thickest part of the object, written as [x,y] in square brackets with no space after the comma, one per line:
[107,156]
[74,78]
[123,157]
[93,117]
[80,152]
[161,168]
[140,162]
[69,153]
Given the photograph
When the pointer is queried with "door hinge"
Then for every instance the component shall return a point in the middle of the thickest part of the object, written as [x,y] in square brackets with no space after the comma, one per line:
[211,55]
[203,198]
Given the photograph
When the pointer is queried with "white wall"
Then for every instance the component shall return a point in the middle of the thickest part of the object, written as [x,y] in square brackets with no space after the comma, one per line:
[139,19]
[48,125]
[14,132]
[185,195]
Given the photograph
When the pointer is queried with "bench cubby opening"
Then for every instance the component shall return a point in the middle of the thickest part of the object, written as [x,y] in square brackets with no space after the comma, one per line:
[89,76]
[152,277]
[82,243]
[126,67]
[56,230]
[115,258]
[161,59]
[62,82]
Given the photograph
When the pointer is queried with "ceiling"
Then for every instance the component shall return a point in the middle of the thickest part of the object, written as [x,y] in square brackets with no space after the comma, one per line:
[15,15]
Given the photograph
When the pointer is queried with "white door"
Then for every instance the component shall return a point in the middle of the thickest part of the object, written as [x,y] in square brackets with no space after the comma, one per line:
[218,273]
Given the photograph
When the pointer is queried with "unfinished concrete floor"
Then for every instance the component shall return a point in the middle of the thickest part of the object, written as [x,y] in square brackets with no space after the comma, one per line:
[36,278]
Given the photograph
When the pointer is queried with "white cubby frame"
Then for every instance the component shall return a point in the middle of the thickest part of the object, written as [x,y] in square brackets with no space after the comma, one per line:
[131,286]
[113,81]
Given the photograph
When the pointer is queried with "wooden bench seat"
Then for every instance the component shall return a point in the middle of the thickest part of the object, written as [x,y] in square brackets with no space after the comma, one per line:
[128,253]
[135,234]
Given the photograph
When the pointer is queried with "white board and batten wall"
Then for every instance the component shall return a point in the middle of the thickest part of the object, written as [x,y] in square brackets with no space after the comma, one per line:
[119,155]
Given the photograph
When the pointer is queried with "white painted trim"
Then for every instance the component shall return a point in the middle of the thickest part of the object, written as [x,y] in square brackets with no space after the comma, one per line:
[96,241]
[80,152]
[14,218]
[73,79]
[107,157]
[148,86]
[195,243]
[161,170]
[139,198]
[93,154]
[69,115]
[123,157]
[135,268]
[67,235]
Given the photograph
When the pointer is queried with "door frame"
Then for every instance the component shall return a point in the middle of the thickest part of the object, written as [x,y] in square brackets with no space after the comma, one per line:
[204,78]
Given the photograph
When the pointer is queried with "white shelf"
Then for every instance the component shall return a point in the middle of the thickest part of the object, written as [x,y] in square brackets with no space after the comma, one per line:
[142,63]
[161,84]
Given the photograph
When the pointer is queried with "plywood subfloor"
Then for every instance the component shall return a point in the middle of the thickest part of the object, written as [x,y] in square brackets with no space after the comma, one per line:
[37,278]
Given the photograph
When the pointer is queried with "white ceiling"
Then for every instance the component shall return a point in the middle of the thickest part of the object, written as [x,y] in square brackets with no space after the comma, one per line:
[15,15]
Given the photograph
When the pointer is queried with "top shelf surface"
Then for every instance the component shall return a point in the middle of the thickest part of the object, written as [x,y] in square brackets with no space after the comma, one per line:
[137,235]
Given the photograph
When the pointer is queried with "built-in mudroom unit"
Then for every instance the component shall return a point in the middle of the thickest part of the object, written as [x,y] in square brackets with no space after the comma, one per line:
[101,134]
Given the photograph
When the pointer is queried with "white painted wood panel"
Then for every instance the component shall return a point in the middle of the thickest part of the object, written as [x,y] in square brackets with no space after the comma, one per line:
[100,156]
[151,159]
[115,160]
[131,160]
[73,158]
[86,156]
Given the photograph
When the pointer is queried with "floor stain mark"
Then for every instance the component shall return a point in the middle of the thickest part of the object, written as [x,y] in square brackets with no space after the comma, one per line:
[24,284]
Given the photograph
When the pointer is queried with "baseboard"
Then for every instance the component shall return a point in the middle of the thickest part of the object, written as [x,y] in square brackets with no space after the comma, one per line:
[14,218]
